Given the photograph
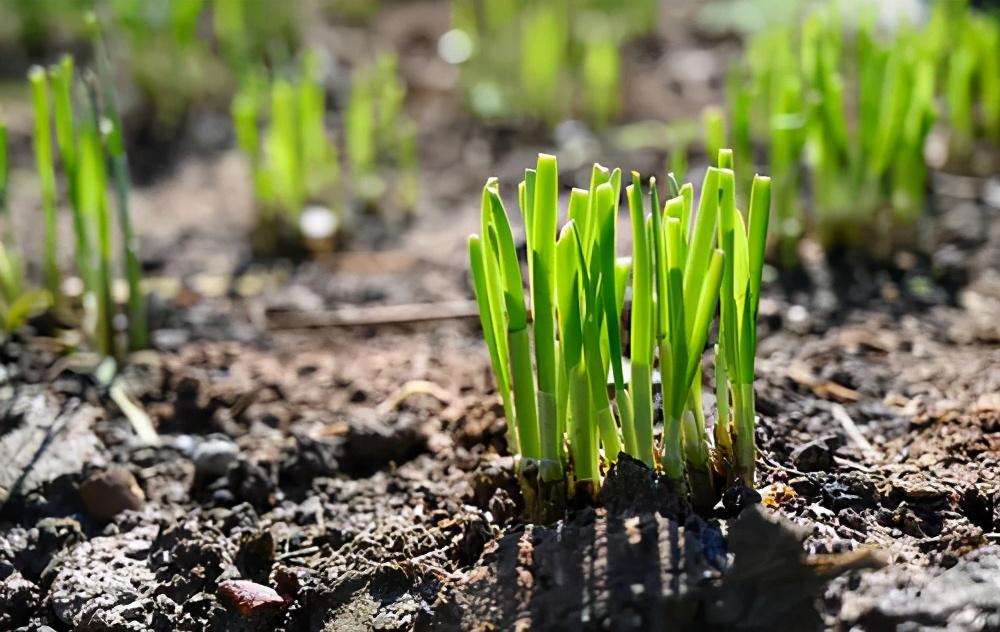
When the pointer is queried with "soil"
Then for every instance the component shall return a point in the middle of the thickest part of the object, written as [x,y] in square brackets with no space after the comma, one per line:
[324,465]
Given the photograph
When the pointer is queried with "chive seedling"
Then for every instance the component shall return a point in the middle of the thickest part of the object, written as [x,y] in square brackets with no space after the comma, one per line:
[856,106]
[138,337]
[739,301]
[17,302]
[601,77]
[564,58]
[85,156]
[295,163]
[46,176]
[577,291]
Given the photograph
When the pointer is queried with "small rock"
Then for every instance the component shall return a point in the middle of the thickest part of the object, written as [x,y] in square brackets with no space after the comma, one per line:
[249,598]
[170,339]
[814,456]
[847,491]
[804,486]
[213,457]
[738,497]
[107,493]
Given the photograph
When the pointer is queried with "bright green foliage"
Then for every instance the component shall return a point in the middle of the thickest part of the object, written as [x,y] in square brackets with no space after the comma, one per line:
[172,60]
[293,161]
[740,296]
[46,175]
[138,336]
[856,106]
[601,78]
[87,145]
[380,140]
[251,31]
[281,125]
[577,290]
[17,302]
[714,121]
[546,59]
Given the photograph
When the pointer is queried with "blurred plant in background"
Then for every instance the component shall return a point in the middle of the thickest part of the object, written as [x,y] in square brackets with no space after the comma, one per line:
[281,126]
[175,53]
[856,105]
[89,144]
[548,59]
[17,302]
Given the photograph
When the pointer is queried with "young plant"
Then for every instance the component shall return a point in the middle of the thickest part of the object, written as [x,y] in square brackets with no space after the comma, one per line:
[138,336]
[294,163]
[377,134]
[564,58]
[739,300]
[802,101]
[563,394]
[17,302]
[85,153]
[544,46]
[689,272]
[577,290]
[45,166]
[601,69]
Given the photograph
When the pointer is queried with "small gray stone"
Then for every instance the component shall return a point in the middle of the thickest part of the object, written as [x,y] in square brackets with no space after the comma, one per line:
[213,457]
[814,456]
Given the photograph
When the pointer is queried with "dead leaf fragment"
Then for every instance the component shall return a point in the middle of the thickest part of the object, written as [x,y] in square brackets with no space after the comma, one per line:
[776,494]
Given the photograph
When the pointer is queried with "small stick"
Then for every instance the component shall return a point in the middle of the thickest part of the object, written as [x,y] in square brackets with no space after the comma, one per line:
[309,550]
[852,431]
[360,316]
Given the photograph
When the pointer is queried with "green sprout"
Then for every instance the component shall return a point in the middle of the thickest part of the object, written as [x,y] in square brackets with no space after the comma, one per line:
[714,122]
[46,176]
[544,45]
[380,139]
[293,162]
[17,302]
[601,77]
[87,145]
[138,337]
[281,126]
[855,106]
[572,332]
[740,297]
[563,57]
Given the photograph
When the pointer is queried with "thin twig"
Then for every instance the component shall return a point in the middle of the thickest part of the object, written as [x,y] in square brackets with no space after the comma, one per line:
[370,315]
[852,431]
[309,550]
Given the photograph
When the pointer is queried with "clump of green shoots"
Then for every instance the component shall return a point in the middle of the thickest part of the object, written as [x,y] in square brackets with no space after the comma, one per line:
[87,145]
[293,162]
[856,106]
[173,61]
[564,59]
[966,45]
[379,138]
[562,415]
[296,164]
[17,301]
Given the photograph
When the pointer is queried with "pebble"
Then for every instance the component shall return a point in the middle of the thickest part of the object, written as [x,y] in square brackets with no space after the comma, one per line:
[107,493]
[213,457]
[813,456]
[249,597]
